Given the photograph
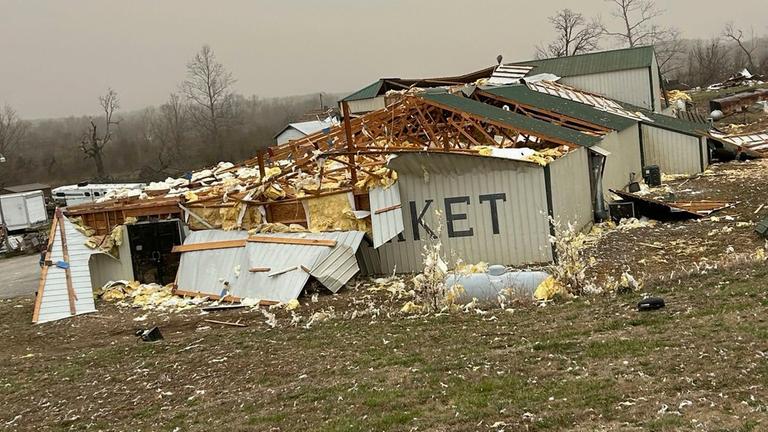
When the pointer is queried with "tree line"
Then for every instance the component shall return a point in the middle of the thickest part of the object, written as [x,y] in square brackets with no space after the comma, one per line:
[201,123]
[633,23]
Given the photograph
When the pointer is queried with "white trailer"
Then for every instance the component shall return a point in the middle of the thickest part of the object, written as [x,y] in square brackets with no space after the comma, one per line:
[80,194]
[23,210]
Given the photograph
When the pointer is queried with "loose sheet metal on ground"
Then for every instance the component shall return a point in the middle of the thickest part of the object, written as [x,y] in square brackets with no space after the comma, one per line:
[280,271]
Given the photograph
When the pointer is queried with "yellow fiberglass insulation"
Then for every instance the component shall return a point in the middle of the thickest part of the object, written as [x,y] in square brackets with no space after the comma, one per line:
[225,217]
[332,213]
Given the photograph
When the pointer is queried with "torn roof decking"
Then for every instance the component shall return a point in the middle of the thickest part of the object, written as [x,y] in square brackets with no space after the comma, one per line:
[383,85]
[526,98]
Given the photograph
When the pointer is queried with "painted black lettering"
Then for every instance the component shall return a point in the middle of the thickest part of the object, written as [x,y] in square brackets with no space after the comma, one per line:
[419,221]
[492,198]
[451,217]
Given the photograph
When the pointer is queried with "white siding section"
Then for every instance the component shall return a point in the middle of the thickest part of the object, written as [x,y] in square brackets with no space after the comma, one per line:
[673,152]
[387,224]
[571,193]
[656,86]
[624,158]
[55,300]
[523,229]
[366,105]
[105,268]
[631,86]
[206,271]
[289,134]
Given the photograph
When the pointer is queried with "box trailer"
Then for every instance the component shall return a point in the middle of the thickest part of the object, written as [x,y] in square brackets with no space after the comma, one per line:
[24,210]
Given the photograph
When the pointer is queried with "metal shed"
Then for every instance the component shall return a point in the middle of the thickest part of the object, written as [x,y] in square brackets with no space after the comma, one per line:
[491,209]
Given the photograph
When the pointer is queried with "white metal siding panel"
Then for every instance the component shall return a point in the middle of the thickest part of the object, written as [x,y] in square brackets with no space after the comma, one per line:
[704,153]
[206,271]
[15,211]
[631,86]
[388,224]
[36,207]
[289,134]
[673,152]
[105,268]
[523,235]
[55,301]
[571,193]
[656,86]
[366,105]
[624,158]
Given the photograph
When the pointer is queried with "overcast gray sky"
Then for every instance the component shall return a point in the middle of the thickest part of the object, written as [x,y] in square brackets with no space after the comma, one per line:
[59,55]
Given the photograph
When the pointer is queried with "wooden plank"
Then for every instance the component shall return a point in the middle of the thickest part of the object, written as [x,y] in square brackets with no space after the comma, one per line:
[223,244]
[285,270]
[228,298]
[386,209]
[293,241]
[229,323]
[44,271]
[67,271]
[259,269]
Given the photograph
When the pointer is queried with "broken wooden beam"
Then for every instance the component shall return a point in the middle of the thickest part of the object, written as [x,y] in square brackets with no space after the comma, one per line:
[223,244]
[293,241]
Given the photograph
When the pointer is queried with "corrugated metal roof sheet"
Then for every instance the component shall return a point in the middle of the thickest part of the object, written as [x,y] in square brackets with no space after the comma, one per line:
[591,99]
[55,301]
[523,95]
[508,74]
[756,141]
[669,122]
[593,63]
[310,127]
[389,223]
[206,271]
[512,120]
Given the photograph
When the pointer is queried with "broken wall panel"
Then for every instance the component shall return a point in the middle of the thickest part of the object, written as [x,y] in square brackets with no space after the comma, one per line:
[268,271]
[53,299]
[386,214]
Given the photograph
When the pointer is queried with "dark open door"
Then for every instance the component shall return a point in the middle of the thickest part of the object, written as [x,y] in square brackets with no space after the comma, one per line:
[151,244]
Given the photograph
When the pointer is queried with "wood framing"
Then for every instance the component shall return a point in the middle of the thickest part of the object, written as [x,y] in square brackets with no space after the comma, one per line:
[293,241]
[223,244]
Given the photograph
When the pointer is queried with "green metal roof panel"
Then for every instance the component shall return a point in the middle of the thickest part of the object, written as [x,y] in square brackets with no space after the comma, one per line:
[566,107]
[592,63]
[516,121]
[367,92]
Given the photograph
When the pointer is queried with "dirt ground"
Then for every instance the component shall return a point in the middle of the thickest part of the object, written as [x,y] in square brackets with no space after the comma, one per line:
[670,249]
[585,364]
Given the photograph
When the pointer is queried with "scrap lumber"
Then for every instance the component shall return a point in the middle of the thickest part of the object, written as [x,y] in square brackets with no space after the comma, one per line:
[71,296]
[293,241]
[223,244]
[259,269]
[228,298]
[387,209]
[44,271]
[229,323]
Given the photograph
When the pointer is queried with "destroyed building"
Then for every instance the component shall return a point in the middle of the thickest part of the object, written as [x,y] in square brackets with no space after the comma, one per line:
[502,154]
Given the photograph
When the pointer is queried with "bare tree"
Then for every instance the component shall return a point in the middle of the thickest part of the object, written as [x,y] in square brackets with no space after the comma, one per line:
[92,144]
[737,36]
[12,131]
[670,51]
[708,62]
[208,88]
[575,35]
[637,22]
[169,126]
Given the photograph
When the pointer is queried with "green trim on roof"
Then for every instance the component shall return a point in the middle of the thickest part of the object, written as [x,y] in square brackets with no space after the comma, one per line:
[367,92]
[593,63]
[523,95]
[516,121]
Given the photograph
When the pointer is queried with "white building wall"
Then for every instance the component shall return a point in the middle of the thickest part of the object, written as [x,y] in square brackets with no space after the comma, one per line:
[105,268]
[658,97]
[673,152]
[289,134]
[366,105]
[521,232]
[624,159]
[571,191]
[631,86]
